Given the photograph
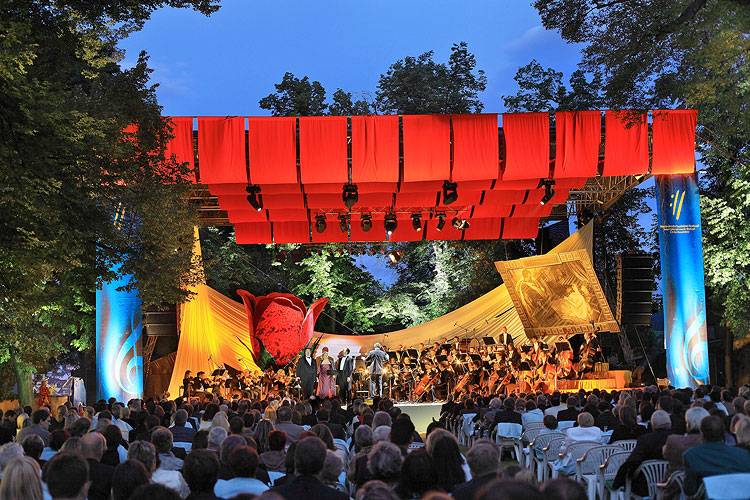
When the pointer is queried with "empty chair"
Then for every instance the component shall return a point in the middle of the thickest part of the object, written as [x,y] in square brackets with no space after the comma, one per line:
[526,438]
[467,428]
[655,472]
[727,487]
[589,463]
[627,444]
[606,473]
[506,435]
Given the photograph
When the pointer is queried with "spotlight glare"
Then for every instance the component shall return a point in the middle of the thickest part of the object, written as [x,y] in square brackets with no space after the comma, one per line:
[450,192]
[390,224]
[416,222]
[320,223]
[395,255]
[366,223]
[350,195]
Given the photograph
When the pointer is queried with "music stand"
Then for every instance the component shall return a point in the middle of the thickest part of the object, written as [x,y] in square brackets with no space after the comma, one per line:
[412,353]
[219,371]
[488,340]
[441,358]
[392,357]
[526,348]
[562,346]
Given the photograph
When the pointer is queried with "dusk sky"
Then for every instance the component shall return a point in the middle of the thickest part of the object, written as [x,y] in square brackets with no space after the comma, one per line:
[223,64]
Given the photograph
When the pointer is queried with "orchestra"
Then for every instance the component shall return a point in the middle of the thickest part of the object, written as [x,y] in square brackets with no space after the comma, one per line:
[421,373]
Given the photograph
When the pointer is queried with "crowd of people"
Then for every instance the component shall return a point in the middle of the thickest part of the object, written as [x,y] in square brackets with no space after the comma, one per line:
[284,448]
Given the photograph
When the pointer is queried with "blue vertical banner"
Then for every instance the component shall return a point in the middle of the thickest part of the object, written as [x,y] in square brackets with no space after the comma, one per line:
[119,354]
[681,250]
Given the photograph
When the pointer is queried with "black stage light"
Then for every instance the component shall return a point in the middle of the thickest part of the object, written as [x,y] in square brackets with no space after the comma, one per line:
[441,221]
[460,224]
[395,255]
[548,192]
[390,224]
[255,201]
[320,223]
[366,223]
[343,223]
[416,222]
[450,192]
[350,195]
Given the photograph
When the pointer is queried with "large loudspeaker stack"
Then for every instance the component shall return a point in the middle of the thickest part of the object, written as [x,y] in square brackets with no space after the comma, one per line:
[160,323]
[635,284]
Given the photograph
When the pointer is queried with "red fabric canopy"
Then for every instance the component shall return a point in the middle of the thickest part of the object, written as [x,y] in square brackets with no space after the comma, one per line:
[427,199]
[426,147]
[322,150]
[287,214]
[375,148]
[483,229]
[625,143]
[674,141]
[504,197]
[221,146]
[577,143]
[493,210]
[295,200]
[475,147]
[332,234]
[376,233]
[181,146]
[291,232]
[520,228]
[526,146]
[236,216]
[325,201]
[448,232]
[273,157]
[252,232]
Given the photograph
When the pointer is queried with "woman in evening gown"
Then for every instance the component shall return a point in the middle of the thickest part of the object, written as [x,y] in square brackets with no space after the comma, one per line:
[326,382]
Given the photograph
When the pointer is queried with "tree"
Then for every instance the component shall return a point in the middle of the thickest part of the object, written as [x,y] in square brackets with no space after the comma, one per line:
[419,85]
[67,165]
[296,97]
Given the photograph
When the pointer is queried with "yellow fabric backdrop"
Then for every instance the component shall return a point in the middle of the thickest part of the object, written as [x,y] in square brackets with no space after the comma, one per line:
[211,324]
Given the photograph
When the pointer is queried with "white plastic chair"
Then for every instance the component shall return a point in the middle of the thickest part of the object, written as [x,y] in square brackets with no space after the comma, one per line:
[539,444]
[184,446]
[549,454]
[605,436]
[467,428]
[626,444]
[727,487]
[506,436]
[655,472]
[587,465]
[677,478]
[608,471]
[522,451]
[574,451]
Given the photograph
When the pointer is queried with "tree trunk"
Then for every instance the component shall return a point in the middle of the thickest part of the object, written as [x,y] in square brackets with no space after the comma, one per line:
[728,345]
[23,381]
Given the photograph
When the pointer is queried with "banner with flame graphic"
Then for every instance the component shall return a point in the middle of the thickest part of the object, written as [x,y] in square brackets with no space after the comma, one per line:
[681,250]
[119,356]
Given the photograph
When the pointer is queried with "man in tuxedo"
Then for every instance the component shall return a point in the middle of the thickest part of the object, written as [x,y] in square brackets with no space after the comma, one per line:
[307,369]
[344,369]
[505,337]
[376,358]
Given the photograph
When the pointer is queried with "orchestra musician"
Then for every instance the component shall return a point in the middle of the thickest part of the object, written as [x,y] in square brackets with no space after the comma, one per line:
[590,353]
[188,389]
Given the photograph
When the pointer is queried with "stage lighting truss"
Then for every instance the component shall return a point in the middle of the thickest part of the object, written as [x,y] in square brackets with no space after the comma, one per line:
[253,196]
[460,224]
[450,192]
[548,191]
[320,223]
[344,223]
[390,223]
[416,221]
[366,222]
[350,195]
[441,221]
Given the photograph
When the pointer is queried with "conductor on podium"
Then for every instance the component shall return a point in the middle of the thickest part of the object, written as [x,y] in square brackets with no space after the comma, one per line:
[376,358]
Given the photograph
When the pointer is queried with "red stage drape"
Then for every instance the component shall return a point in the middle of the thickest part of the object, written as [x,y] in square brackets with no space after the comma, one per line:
[526,146]
[578,135]
[674,141]
[273,156]
[520,228]
[376,233]
[625,143]
[483,229]
[221,146]
[181,146]
[287,214]
[291,232]
[332,234]
[296,200]
[322,150]
[475,147]
[504,197]
[252,232]
[426,147]
[325,201]
[492,210]
[426,199]
[448,232]
[375,148]
[236,216]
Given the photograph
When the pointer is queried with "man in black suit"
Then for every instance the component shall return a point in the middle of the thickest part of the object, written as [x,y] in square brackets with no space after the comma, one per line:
[307,369]
[571,414]
[647,447]
[93,446]
[482,458]
[309,459]
[344,369]
[505,337]
[507,414]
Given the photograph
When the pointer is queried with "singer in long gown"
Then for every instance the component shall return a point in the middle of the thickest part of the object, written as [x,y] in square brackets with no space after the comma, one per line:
[326,383]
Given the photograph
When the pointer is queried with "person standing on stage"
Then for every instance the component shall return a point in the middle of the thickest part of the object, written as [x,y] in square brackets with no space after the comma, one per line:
[307,370]
[505,337]
[326,380]
[344,369]
[376,358]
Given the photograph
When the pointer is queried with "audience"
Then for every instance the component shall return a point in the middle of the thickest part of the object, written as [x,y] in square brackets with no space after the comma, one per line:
[21,479]
[244,462]
[483,459]
[67,477]
[648,447]
[309,460]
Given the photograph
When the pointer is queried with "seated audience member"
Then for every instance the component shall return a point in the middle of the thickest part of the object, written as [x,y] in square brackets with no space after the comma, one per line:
[402,434]
[33,446]
[201,470]
[532,414]
[200,441]
[227,447]
[155,492]
[507,414]
[483,459]
[309,459]
[648,447]
[742,432]
[628,428]
[677,445]
[40,421]
[8,452]
[570,413]
[384,462]
[56,439]
[288,466]
[358,473]
[550,427]
[146,453]
[377,490]
[21,479]
[114,454]
[418,475]
[563,489]
[443,447]
[332,469]
[181,432]
[504,489]
[606,420]
[284,423]
[713,457]
[93,446]
[161,438]
[584,432]
[556,405]
[262,430]
[275,457]
[128,476]
[72,445]
[67,477]
[244,461]
[216,436]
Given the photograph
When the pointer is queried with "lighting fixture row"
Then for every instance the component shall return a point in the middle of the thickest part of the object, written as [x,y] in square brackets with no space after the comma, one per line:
[390,224]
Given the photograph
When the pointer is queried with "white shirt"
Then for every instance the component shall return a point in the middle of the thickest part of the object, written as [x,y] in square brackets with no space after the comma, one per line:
[554,410]
[341,364]
[231,487]
[171,479]
[309,360]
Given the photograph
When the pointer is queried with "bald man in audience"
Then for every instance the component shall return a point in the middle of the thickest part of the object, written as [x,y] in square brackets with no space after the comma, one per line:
[93,446]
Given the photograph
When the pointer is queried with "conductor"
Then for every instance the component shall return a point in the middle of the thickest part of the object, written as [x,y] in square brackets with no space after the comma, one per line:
[307,370]
[376,358]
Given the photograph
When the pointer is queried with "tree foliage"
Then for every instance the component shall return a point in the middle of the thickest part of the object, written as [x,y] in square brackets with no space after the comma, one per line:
[301,97]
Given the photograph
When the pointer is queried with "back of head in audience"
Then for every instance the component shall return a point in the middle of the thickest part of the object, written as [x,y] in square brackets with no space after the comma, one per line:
[144,452]
[67,476]
[712,429]
[384,462]
[128,476]
[660,420]
[563,489]
[483,458]
[155,491]
[503,489]
[332,467]
[402,432]
[244,461]
[33,446]
[693,417]
[21,480]
[310,456]
[201,471]
[418,474]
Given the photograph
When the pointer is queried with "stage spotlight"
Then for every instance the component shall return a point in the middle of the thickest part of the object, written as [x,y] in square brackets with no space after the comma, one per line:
[390,224]
[548,192]
[441,221]
[450,192]
[350,195]
[343,223]
[395,255]
[255,201]
[320,223]
[416,222]
[366,223]
[460,224]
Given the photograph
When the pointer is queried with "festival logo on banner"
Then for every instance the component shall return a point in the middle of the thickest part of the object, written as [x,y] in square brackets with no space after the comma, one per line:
[681,252]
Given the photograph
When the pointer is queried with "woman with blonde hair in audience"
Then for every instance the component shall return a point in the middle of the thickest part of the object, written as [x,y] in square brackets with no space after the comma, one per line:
[72,445]
[21,480]
[742,432]
[220,420]
[270,414]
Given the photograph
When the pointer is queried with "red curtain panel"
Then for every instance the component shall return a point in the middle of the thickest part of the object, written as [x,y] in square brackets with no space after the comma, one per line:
[322,150]
[375,148]
[251,233]
[181,146]
[491,211]
[295,200]
[625,143]
[273,155]
[448,232]
[483,229]
[578,135]
[475,147]
[376,233]
[520,228]
[291,232]
[504,197]
[426,148]
[526,146]
[237,216]
[674,141]
[287,214]
[221,150]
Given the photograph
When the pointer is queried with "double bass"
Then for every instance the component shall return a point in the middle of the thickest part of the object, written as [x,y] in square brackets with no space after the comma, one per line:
[462,383]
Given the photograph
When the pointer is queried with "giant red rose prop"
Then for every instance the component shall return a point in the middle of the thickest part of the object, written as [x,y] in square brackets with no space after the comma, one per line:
[280,325]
